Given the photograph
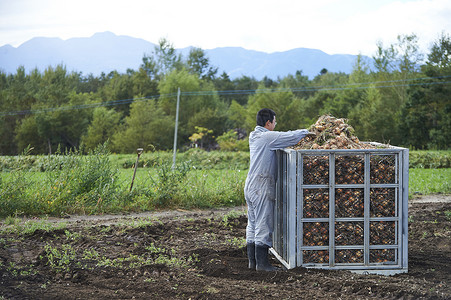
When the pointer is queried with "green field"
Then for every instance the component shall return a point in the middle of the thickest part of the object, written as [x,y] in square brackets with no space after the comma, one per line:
[100,182]
[429,181]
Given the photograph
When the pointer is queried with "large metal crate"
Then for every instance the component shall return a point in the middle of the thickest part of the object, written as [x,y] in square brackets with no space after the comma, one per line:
[342,209]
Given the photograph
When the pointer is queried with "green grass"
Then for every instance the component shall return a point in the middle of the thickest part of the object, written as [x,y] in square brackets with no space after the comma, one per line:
[429,181]
[42,193]
[99,183]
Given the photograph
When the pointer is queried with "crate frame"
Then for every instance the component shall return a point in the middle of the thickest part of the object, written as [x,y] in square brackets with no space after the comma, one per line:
[289,218]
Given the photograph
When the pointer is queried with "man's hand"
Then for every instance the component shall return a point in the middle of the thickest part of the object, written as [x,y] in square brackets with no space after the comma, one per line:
[311,135]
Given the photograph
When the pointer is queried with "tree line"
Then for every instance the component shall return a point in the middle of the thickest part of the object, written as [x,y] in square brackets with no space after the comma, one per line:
[403,99]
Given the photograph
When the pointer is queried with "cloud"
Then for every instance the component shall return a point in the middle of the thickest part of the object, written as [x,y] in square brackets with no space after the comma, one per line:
[334,26]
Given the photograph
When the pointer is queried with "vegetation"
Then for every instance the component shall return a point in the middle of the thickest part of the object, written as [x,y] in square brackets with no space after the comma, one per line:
[197,159]
[57,128]
[402,97]
[429,181]
[89,184]
[99,182]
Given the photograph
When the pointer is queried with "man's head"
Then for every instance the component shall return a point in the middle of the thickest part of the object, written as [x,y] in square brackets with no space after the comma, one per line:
[266,115]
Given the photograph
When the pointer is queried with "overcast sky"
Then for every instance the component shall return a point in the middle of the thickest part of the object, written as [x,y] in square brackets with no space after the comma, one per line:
[333,26]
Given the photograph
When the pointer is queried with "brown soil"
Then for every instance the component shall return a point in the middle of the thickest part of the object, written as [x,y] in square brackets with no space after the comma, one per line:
[200,255]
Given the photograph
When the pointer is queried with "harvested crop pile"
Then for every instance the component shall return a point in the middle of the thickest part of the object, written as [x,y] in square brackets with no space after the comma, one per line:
[349,203]
[331,133]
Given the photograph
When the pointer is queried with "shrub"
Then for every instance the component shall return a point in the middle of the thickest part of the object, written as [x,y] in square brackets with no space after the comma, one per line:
[168,183]
[229,142]
[429,159]
[81,183]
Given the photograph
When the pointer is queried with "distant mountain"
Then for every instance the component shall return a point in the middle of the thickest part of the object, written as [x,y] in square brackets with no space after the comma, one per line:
[105,52]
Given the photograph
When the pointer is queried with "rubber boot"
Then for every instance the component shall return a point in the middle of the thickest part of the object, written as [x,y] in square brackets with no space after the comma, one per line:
[261,256]
[251,255]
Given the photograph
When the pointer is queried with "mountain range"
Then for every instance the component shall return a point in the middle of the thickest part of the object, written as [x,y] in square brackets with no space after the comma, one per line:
[106,52]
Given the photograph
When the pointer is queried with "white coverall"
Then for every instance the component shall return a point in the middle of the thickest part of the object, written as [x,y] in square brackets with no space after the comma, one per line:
[260,186]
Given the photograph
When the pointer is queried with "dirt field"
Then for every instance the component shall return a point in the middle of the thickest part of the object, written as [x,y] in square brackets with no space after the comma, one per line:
[200,255]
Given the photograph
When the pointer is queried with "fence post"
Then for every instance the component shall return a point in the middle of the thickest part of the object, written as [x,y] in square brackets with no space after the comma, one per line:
[176,127]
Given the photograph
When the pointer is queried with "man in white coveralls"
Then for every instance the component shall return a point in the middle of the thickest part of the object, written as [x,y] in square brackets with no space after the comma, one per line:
[260,186]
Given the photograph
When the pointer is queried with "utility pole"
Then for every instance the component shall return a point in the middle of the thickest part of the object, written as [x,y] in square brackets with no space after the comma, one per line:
[176,127]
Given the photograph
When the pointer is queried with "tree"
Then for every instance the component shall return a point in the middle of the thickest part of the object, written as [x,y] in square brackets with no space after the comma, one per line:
[246,86]
[26,134]
[120,87]
[371,115]
[281,101]
[229,142]
[163,60]
[204,107]
[223,83]
[58,120]
[397,66]
[199,64]
[146,127]
[64,125]
[213,118]
[440,53]
[143,84]
[323,71]
[15,95]
[200,135]
[237,115]
[105,123]
[351,94]
[426,121]
[329,96]
[299,83]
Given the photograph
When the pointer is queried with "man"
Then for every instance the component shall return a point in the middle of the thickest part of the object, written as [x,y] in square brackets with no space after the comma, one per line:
[260,186]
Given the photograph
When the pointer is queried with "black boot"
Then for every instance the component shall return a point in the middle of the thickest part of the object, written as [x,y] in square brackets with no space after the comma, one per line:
[261,256]
[251,255]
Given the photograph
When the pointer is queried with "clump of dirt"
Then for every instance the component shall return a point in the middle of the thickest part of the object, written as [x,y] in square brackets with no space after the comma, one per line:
[202,256]
[332,133]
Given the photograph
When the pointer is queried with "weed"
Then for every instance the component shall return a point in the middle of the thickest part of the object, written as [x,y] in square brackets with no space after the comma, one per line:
[29,271]
[153,249]
[140,222]
[230,215]
[167,185]
[74,236]
[90,254]
[237,242]
[59,260]
[30,227]
[12,269]
[11,220]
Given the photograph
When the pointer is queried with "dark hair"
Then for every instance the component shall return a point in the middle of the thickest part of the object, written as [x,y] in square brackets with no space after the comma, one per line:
[264,115]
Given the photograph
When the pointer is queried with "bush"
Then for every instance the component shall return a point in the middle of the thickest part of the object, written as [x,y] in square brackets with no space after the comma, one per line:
[429,159]
[168,183]
[229,142]
[79,183]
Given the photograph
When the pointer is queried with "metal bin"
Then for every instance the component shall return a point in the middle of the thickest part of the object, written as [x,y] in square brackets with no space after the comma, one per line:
[342,209]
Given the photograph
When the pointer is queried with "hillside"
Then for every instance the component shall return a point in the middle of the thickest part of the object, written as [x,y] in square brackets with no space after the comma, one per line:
[105,52]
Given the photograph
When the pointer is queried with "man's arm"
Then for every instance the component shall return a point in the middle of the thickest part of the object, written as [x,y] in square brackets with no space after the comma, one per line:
[283,139]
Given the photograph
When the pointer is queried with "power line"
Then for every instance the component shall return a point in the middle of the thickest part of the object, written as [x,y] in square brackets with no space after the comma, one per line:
[362,85]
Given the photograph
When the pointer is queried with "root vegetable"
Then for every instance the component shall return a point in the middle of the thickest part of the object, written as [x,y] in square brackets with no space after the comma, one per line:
[332,133]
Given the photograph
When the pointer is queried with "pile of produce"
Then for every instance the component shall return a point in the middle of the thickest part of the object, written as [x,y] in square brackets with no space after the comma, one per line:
[331,133]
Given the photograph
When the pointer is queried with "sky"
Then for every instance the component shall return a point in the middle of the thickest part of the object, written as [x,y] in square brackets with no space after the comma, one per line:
[333,26]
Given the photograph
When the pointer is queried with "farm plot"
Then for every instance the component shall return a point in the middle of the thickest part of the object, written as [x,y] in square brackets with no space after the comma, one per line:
[199,255]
